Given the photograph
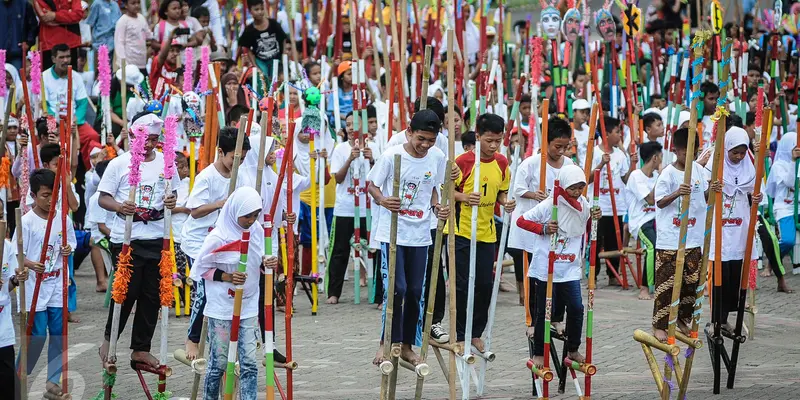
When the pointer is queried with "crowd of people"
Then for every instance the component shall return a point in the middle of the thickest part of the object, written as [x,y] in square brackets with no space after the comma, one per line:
[347,101]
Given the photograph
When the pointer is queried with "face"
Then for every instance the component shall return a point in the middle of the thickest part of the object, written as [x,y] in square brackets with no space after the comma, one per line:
[551,21]
[347,77]
[134,6]
[659,103]
[315,74]
[605,25]
[737,154]
[556,148]
[303,137]
[457,122]
[753,102]
[184,10]
[490,142]
[246,221]
[421,141]
[42,198]
[525,110]
[571,25]
[81,63]
[710,103]
[372,125]
[258,12]
[151,143]
[580,81]
[293,97]
[614,136]
[575,191]
[12,133]
[287,47]
[174,52]
[656,129]
[753,77]
[52,165]
[182,165]
[61,60]
[97,157]
[204,21]
[174,10]
[580,116]
[348,127]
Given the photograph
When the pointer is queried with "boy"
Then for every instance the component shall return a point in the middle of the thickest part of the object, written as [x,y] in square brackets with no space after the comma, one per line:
[96,221]
[49,305]
[668,197]
[710,96]
[573,213]
[264,38]
[208,196]
[620,171]
[179,216]
[525,112]
[49,155]
[467,142]
[642,212]
[164,68]
[146,237]
[657,101]
[422,171]
[495,173]
[10,278]
[653,127]
[580,129]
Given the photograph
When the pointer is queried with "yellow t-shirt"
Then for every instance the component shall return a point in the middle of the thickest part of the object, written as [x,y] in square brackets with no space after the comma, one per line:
[330,193]
[495,178]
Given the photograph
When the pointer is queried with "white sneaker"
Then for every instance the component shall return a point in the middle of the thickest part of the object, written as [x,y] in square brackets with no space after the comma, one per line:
[438,334]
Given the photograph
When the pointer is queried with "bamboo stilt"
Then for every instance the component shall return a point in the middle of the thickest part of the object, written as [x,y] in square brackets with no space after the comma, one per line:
[451,221]
[387,391]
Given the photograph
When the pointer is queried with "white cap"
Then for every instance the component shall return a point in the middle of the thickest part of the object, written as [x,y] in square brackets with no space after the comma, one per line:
[490,31]
[580,104]
[151,122]
[133,76]
[12,121]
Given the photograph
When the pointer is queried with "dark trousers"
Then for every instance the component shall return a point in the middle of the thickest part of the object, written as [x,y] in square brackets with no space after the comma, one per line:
[439,301]
[770,245]
[484,263]
[340,255]
[728,299]
[607,240]
[519,263]
[9,380]
[409,277]
[565,295]
[198,306]
[143,290]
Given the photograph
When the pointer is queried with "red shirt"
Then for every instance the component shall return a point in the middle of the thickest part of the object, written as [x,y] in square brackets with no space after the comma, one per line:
[168,74]
[68,14]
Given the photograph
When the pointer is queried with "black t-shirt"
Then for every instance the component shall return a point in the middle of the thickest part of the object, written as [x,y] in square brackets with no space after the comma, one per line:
[266,45]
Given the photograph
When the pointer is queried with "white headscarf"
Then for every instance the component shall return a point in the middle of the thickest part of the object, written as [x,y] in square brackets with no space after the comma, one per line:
[783,166]
[12,70]
[302,158]
[437,87]
[741,176]
[571,221]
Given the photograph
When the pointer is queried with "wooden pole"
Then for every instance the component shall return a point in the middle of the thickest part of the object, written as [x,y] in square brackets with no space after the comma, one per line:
[124,89]
[451,221]
[23,312]
[549,291]
[587,385]
[290,252]
[387,391]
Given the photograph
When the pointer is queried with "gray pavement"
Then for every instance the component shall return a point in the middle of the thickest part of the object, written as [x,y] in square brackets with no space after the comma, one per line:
[336,347]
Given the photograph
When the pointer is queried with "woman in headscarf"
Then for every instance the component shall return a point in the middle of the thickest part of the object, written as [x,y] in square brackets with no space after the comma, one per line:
[738,181]
[12,79]
[781,187]
[218,263]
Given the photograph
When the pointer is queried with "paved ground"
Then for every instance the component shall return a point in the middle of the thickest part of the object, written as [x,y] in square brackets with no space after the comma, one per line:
[335,349]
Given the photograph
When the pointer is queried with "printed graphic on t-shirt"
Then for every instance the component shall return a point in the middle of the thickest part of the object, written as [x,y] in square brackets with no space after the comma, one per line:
[267,46]
[410,189]
[561,256]
[676,220]
[728,208]
[50,259]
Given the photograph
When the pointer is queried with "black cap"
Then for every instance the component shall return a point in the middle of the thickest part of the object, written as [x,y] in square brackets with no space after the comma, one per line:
[426,120]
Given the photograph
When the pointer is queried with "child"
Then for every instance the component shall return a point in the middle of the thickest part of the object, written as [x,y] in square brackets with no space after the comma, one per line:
[203,17]
[207,198]
[91,178]
[668,196]
[164,67]
[170,13]
[422,171]
[573,213]
[345,94]
[525,112]
[217,264]
[738,182]
[657,101]
[342,159]
[653,127]
[179,216]
[580,118]
[710,96]
[10,278]
[527,190]
[264,38]
[96,221]
[131,35]
[620,171]
[467,143]
[46,132]
[49,305]
[103,16]
[49,156]
[780,186]
[642,212]
[495,173]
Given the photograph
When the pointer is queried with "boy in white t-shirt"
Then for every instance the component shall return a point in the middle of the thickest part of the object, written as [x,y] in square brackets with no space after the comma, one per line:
[422,170]
[96,219]
[620,171]
[580,130]
[179,216]
[573,212]
[668,196]
[642,211]
[10,277]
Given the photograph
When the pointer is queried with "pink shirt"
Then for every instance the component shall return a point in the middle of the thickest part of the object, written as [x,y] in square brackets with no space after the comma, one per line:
[130,40]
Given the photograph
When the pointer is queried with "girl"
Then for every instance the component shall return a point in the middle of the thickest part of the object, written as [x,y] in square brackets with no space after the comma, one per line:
[738,180]
[218,264]
[170,13]
[781,187]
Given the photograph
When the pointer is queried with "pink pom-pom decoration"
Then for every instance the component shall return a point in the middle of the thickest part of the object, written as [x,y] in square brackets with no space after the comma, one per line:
[536,61]
[3,88]
[36,72]
[137,156]
[188,70]
[170,143]
[104,71]
[205,57]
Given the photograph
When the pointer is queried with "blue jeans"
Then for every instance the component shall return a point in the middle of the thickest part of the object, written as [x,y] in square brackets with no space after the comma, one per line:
[786,228]
[44,321]
[305,222]
[72,289]
[219,337]
[409,279]
[564,293]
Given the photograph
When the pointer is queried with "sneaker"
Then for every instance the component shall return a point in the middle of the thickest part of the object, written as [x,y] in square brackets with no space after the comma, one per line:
[438,334]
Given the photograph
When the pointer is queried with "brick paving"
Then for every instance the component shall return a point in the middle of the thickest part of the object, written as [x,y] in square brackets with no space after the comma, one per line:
[336,347]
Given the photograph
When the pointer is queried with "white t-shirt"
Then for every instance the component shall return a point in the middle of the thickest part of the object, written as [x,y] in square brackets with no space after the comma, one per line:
[345,193]
[582,137]
[29,197]
[639,211]
[7,337]
[55,89]
[527,180]
[178,219]
[735,220]
[783,202]
[619,166]
[220,295]
[668,219]
[568,265]
[33,228]
[419,177]
[209,186]
[149,195]
[96,215]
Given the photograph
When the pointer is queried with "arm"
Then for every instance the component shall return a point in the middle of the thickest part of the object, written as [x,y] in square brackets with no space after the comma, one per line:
[71,16]
[104,229]
[206,209]
[72,200]
[668,199]
[119,41]
[162,54]
[108,203]
[375,192]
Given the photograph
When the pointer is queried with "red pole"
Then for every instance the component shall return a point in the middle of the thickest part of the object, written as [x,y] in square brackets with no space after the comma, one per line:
[289,256]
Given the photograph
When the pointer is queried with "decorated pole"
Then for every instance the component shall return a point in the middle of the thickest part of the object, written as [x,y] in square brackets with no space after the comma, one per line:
[587,384]
[23,312]
[387,389]
[367,256]
[289,252]
[356,169]
[549,291]
[124,96]
[64,166]
[451,220]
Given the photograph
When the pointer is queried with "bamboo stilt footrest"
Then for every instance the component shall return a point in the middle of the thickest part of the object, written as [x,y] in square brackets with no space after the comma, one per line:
[587,369]
[422,369]
[650,340]
[545,374]
[198,365]
[693,342]
[455,348]
[291,365]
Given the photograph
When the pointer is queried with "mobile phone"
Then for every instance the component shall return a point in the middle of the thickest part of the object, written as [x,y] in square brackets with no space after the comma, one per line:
[181,31]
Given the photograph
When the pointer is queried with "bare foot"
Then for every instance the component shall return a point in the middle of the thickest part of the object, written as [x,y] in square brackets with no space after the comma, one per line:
[783,286]
[379,306]
[576,356]
[684,327]
[660,334]
[363,281]
[613,281]
[538,361]
[72,318]
[191,350]
[332,300]
[478,343]
[145,358]
[530,331]
[407,353]
[101,287]
[558,326]
[54,389]
[379,356]
[765,272]
[644,294]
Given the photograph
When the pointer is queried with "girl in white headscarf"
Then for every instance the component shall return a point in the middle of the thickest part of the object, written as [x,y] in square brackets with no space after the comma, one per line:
[12,78]
[218,263]
[573,212]
[780,186]
[738,181]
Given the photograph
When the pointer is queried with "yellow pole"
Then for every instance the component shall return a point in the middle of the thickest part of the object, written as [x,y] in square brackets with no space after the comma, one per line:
[314,244]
